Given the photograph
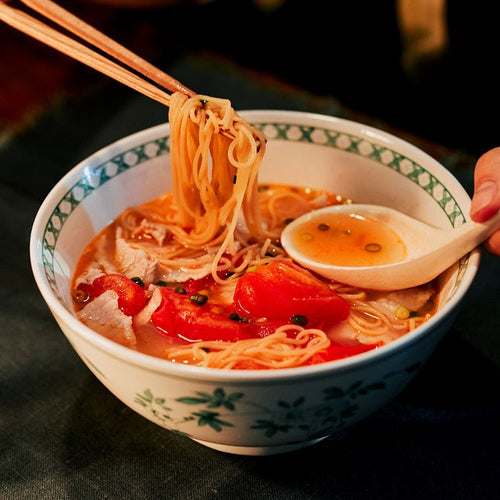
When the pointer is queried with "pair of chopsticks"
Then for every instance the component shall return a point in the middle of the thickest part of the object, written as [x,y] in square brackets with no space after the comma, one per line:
[50,36]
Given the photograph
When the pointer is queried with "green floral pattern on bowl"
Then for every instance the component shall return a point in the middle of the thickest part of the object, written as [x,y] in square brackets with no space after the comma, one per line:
[220,409]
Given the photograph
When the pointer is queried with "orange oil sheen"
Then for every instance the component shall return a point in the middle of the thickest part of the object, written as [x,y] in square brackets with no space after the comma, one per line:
[348,240]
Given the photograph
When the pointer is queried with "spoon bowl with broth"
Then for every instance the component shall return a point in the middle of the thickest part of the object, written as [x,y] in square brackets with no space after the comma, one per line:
[377,247]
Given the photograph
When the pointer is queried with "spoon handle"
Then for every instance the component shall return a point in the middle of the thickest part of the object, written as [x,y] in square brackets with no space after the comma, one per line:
[472,234]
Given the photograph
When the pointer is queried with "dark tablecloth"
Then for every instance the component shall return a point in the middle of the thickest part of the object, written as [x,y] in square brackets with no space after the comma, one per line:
[64,436]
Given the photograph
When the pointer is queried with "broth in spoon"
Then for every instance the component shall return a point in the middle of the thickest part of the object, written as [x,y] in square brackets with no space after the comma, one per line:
[416,252]
[347,239]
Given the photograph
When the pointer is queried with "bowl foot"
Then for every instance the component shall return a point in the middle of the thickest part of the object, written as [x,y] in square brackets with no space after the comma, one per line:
[259,450]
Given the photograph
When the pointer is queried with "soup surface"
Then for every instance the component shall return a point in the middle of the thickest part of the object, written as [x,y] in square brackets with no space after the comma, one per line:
[137,285]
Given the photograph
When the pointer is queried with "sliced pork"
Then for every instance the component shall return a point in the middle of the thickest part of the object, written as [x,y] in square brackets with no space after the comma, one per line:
[104,312]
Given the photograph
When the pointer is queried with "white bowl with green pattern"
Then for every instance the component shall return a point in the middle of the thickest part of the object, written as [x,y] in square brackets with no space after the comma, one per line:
[253,412]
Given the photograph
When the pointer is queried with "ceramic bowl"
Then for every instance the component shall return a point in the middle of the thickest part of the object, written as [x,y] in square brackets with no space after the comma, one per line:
[253,412]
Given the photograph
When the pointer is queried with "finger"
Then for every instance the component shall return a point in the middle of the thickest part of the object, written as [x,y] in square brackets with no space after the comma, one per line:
[493,243]
[486,197]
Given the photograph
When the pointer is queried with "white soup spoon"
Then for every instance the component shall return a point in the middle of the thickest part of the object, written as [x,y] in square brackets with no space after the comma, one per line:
[379,248]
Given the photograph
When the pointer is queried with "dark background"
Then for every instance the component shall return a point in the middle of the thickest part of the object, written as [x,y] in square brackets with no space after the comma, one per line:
[62,434]
[350,50]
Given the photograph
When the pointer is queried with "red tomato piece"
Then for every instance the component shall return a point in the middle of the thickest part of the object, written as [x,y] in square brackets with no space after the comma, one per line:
[248,364]
[131,296]
[339,351]
[263,328]
[178,317]
[195,286]
[281,290]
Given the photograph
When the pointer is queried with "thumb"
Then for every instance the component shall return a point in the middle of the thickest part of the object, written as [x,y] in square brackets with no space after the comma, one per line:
[486,197]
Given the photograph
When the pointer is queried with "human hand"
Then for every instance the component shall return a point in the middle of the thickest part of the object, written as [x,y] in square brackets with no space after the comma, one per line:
[486,197]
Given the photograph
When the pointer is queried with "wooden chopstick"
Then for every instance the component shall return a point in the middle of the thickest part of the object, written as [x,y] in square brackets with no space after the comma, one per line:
[50,36]
[90,34]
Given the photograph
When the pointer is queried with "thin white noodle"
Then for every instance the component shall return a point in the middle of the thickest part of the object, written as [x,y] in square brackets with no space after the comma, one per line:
[275,351]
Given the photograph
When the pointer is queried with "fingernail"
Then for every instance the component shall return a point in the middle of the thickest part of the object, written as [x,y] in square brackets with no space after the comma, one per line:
[483,196]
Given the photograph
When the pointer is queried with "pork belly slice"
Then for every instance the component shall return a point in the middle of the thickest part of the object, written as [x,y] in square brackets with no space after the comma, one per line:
[183,274]
[89,275]
[104,316]
[155,230]
[144,316]
[135,262]
[412,298]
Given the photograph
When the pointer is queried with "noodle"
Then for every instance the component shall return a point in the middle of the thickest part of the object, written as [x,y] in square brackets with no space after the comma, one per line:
[196,231]
[209,200]
[204,129]
[277,350]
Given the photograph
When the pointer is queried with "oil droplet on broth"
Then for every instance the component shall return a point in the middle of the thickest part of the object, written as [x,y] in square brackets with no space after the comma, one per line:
[348,240]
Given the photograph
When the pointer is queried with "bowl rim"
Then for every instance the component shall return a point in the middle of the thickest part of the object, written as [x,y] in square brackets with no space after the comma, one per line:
[164,366]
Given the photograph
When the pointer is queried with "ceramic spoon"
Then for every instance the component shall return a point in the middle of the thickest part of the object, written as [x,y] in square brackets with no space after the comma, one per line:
[427,251]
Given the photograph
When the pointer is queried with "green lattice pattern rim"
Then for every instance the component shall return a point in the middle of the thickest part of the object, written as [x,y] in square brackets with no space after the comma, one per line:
[149,150]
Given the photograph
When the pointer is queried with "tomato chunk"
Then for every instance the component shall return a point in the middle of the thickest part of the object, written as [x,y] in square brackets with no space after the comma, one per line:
[194,286]
[177,316]
[282,290]
[339,351]
[131,296]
